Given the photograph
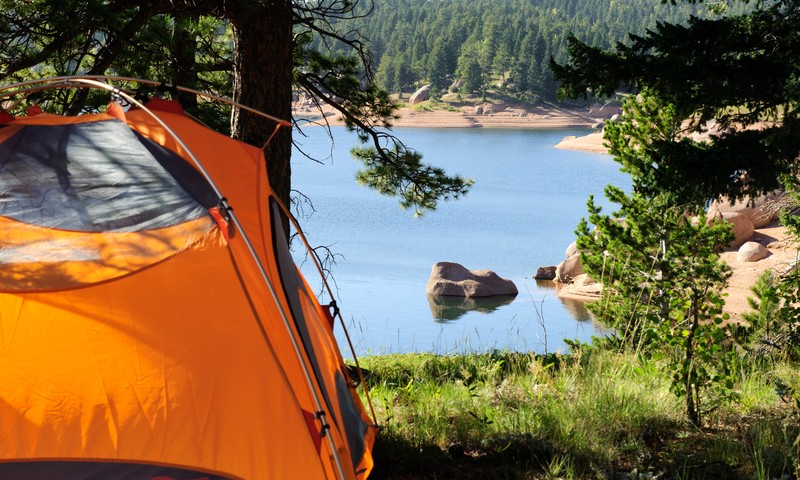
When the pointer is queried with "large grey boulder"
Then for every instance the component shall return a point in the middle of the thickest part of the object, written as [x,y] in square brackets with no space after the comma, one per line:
[570,268]
[741,225]
[761,210]
[751,252]
[421,95]
[452,279]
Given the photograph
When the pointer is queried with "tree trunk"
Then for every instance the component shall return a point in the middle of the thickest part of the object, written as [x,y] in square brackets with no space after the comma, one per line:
[262,79]
[692,389]
[184,50]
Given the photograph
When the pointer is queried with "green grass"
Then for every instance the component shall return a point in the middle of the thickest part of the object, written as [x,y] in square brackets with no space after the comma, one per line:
[432,105]
[588,415]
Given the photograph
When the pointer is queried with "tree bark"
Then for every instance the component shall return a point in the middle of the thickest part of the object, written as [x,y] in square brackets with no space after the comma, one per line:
[692,389]
[184,63]
[262,79]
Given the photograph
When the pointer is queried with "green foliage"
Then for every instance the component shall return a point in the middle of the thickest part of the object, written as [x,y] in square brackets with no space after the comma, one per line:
[469,71]
[737,72]
[47,38]
[499,40]
[397,171]
[784,334]
[771,330]
[763,318]
[720,76]
[657,259]
[439,66]
[635,142]
[661,282]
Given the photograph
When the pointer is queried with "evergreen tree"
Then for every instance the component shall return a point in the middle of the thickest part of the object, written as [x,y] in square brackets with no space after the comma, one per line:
[403,76]
[501,63]
[386,74]
[469,69]
[437,64]
[737,71]
[661,275]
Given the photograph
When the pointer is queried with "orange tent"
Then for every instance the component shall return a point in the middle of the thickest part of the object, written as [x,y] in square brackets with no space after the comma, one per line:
[145,331]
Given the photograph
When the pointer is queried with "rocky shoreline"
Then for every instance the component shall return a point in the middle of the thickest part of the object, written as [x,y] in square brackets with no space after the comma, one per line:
[761,244]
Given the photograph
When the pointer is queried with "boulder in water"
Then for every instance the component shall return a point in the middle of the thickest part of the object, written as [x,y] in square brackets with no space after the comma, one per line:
[452,279]
[545,273]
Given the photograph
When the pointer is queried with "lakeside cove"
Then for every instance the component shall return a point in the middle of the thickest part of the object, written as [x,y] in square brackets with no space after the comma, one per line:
[547,117]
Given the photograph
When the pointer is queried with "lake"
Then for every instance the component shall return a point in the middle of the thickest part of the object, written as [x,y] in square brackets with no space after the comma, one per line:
[521,214]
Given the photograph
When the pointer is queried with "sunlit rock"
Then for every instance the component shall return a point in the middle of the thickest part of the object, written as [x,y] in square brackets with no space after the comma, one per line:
[572,249]
[751,252]
[452,279]
[741,225]
[570,268]
[761,210]
[421,95]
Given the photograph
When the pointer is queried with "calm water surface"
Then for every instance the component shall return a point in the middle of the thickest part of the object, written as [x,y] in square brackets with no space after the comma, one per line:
[520,214]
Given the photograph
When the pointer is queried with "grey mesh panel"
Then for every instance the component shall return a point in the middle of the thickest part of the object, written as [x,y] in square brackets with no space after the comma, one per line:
[357,428]
[90,177]
[291,282]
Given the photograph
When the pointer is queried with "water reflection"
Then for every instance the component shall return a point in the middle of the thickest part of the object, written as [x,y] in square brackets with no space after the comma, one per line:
[447,308]
[576,308]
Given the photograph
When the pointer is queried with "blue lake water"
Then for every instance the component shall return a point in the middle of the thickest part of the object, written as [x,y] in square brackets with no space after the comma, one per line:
[521,214]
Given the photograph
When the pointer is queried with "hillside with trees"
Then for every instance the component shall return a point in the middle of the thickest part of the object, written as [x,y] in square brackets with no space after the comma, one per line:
[503,44]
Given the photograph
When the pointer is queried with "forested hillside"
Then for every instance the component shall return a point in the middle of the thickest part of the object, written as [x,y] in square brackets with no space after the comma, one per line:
[500,42]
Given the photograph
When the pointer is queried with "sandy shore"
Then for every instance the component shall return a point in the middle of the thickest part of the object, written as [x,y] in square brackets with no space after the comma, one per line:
[548,117]
[592,142]
[502,116]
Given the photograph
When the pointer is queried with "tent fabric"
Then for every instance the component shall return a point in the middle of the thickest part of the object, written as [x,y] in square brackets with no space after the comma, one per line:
[137,339]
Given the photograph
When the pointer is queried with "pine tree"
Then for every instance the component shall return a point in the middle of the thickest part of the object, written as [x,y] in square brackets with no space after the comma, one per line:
[437,64]
[738,71]
[657,260]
